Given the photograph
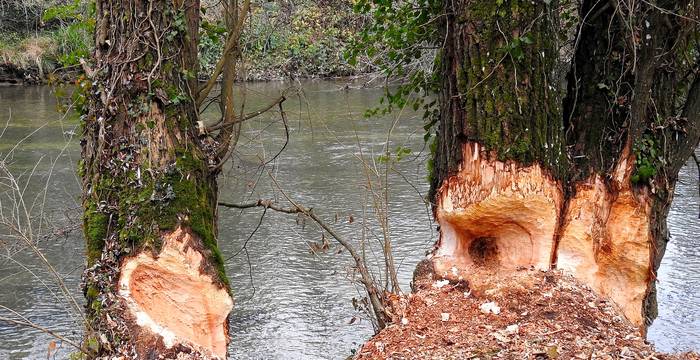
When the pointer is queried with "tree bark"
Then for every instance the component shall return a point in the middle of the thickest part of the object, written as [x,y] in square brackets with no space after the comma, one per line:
[155,281]
[229,134]
[630,132]
[523,177]
[499,154]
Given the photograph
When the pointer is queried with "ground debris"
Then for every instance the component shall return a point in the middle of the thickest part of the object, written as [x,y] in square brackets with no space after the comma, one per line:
[542,315]
[490,307]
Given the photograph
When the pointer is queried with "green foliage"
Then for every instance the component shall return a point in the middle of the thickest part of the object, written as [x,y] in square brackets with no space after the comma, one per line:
[211,42]
[402,40]
[77,356]
[74,42]
[67,37]
[74,36]
[399,154]
[308,41]
[69,12]
[213,31]
[278,40]
[92,344]
[212,35]
[515,47]
[178,26]
[648,159]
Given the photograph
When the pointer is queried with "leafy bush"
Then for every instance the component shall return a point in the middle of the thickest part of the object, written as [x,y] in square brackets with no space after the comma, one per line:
[302,39]
[402,38]
[307,39]
[74,36]
[65,38]
[74,42]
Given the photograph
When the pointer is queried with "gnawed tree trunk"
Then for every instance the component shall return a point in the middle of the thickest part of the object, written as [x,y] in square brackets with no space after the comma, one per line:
[632,122]
[524,177]
[498,103]
[155,282]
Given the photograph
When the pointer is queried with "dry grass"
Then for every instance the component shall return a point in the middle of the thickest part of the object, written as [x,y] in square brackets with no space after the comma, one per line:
[33,51]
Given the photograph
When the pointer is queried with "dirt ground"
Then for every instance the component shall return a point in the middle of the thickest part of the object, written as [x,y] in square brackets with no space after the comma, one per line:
[527,314]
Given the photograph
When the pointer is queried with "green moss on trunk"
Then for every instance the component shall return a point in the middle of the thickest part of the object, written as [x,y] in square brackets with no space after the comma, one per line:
[500,88]
[144,168]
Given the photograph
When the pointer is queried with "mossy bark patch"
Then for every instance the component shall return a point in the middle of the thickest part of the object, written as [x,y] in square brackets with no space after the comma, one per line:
[499,86]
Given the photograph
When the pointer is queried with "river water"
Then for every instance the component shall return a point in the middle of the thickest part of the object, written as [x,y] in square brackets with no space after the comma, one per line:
[290,302]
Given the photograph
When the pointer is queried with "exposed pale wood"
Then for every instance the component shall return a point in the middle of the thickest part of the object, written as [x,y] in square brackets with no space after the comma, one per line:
[170,296]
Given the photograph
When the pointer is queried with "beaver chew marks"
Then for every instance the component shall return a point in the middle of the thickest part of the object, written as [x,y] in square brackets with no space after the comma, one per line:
[496,214]
[484,251]
[172,283]
[606,241]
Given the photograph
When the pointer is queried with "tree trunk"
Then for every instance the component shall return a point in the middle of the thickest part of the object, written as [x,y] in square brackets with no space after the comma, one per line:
[499,157]
[155,282]
[629,132]
[523,177]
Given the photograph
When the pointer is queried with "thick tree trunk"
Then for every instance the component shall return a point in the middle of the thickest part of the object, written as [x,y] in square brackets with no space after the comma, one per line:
[155,282]
[499,156]
[520,180]
[628,135]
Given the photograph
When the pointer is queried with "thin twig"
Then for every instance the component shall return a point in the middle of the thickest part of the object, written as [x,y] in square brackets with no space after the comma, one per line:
[220,125]
[697,163]
[366,278]
[245,243]
[28,323]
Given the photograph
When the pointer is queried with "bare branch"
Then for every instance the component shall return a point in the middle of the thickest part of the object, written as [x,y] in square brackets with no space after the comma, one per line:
[28,323]
[286,136]
[269,204]
[42,329]
[230,49]
[366,279]
[221,124]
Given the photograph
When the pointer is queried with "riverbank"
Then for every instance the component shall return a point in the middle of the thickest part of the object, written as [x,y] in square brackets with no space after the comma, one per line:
[15,74]
[11,74]
[304,40]
[525,315]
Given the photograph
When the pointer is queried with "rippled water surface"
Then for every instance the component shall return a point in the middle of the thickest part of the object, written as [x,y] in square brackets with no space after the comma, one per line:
[290,303]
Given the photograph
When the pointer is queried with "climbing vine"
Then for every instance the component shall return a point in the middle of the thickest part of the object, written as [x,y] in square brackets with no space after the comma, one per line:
[647,159]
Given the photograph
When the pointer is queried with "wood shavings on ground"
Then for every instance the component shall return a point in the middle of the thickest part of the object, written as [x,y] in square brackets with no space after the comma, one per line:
[541,315]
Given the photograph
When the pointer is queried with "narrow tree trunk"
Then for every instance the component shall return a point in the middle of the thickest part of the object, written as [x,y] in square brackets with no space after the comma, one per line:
[520,180]
[229,134]
[155,282]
